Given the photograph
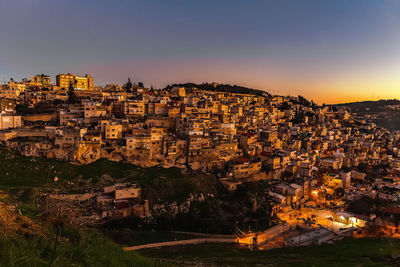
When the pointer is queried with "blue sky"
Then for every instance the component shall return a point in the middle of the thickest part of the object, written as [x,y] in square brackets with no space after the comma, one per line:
[331,51]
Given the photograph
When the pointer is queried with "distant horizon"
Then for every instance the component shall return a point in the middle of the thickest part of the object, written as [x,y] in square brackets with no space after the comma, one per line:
[272,91]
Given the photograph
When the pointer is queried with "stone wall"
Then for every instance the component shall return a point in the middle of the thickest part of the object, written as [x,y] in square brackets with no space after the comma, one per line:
[39,117]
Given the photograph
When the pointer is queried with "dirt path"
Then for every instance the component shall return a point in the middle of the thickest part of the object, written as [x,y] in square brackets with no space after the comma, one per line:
[181,242]
[204,234]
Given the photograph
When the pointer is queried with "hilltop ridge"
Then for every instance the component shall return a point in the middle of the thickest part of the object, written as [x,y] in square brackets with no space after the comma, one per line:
[384,113]
[217,87]
[367,103]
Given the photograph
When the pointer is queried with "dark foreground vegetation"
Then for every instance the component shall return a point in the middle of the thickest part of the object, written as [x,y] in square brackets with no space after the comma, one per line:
[348,252]
[56,237]
[75,248]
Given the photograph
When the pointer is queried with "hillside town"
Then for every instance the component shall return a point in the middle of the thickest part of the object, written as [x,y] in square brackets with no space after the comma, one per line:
[328,171]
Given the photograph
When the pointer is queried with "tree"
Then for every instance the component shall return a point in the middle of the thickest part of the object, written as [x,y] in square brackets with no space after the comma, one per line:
[72,98]
[299,116]
[303,101]
[339,192]
[62,215]
[285,106]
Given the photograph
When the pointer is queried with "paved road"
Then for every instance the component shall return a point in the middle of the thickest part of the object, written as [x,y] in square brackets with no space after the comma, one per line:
[182,242]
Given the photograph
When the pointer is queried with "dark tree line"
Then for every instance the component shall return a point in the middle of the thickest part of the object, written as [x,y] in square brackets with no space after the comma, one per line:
[220,88]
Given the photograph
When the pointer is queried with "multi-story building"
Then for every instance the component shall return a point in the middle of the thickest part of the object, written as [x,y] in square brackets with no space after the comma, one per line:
[40,80]
[13,90]
[244,167]
[94,109]
[135,107]
[10,121]
[80,83]
[114,131]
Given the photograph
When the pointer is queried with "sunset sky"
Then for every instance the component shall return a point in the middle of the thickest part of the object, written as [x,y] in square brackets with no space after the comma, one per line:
[329,51]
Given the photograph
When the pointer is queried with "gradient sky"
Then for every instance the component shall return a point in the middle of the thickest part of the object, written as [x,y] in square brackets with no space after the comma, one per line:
[329,51]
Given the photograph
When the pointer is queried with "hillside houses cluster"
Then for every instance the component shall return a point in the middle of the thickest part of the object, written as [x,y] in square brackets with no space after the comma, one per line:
[312,152]
[114,201]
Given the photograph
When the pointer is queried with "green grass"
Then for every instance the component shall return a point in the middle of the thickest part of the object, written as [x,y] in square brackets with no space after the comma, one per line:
[20,172]
[28,210]
[76,248]
[25,178]
[348,252]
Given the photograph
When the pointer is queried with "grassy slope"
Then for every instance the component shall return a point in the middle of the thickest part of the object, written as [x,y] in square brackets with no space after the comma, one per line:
[88,248]
[348,252]
[23,176]
[18,172]
[26,242]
